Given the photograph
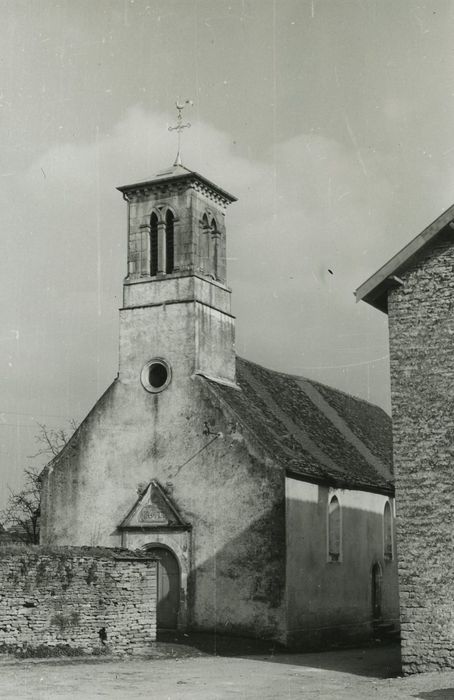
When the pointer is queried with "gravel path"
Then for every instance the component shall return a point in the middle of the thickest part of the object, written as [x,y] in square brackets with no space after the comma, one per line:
[351,675]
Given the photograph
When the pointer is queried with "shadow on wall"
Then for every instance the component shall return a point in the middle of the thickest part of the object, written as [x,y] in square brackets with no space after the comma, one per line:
[344,597]
[240,590]
[261,585]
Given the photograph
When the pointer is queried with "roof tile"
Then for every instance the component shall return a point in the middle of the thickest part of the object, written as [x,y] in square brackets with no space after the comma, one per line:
[313,430]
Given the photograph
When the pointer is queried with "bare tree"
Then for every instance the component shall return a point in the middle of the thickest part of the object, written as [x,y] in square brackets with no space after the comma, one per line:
[22,511]
[51,441]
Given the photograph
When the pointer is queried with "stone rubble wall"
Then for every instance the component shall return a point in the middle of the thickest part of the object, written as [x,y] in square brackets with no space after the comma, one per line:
[421,327]
[63,597]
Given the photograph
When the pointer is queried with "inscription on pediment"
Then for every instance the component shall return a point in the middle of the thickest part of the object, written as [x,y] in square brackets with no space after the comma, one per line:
[153,509]
[151,514]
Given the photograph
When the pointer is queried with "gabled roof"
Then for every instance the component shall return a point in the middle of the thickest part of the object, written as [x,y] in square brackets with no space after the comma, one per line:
[317,433]
[153,509]
[375,289]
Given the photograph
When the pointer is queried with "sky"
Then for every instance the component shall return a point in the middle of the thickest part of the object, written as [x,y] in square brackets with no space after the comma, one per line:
[330,120]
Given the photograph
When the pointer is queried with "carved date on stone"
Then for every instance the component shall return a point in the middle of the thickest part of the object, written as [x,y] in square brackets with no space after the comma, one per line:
[151,514]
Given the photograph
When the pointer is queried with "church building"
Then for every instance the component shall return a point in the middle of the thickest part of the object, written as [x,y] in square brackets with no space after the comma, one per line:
[266,498]
[416,290]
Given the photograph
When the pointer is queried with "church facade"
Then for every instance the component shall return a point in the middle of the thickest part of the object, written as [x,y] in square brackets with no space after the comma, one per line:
[266,498]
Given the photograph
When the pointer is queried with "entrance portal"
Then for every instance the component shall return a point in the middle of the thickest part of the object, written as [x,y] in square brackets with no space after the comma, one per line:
[168,588]
[376,591]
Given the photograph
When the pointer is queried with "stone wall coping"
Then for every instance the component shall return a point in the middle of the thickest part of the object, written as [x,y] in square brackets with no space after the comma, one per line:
[70,552]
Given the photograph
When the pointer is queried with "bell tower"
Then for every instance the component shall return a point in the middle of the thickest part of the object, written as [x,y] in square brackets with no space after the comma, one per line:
[176,304]
[176,226]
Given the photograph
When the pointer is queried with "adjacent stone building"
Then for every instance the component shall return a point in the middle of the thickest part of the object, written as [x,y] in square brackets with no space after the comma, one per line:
[416,289]
[267,499]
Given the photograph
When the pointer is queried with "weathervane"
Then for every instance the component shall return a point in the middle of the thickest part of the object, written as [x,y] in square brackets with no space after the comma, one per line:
[180,126]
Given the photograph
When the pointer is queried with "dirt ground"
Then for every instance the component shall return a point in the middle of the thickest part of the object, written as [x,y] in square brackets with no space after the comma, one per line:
[180,673]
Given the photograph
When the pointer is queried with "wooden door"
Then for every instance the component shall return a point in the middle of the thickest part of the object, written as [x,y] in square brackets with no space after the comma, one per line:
[168,589]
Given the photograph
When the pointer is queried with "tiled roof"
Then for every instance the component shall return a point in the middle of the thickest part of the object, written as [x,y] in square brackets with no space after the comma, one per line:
[314,431]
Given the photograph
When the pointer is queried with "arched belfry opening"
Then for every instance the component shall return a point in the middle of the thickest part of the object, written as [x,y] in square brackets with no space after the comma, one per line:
[153,244]
[205,244]
[210,246]
[215,235]
[170,241]
[162,243]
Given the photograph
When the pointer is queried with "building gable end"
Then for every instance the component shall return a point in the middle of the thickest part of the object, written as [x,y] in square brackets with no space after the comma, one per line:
[375,289]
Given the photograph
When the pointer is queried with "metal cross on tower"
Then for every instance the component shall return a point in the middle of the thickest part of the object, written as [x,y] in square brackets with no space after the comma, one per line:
[180,126]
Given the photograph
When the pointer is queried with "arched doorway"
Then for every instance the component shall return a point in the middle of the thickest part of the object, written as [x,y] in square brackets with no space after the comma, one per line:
[376,591]
[168,587]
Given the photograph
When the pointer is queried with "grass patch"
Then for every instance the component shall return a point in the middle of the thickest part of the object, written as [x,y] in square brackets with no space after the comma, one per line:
[44,651]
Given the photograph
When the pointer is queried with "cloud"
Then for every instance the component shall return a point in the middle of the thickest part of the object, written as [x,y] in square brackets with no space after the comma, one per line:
[313,220]
[303,210]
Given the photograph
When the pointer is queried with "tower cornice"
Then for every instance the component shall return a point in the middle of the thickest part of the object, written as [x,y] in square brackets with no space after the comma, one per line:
[162,185]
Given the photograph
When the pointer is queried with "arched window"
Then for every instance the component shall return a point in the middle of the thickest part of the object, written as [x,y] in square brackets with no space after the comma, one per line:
[204,246]
[169,241]
[153,244]
[387,532]
[334,530]
[215,238]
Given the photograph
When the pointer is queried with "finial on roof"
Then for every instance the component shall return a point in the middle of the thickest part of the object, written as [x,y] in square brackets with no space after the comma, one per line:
[180,126]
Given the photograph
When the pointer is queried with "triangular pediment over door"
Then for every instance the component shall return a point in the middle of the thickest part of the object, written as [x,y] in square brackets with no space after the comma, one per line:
[154,509]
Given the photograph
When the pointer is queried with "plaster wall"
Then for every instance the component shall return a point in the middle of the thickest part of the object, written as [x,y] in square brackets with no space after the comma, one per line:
[189,336]
[332,601]
[224,487]
[177,287]
[421,330]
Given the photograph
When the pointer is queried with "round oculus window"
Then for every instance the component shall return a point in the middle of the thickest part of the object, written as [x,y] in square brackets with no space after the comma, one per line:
[156,375]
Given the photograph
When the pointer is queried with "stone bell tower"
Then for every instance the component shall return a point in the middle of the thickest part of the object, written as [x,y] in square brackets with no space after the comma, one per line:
[176,305]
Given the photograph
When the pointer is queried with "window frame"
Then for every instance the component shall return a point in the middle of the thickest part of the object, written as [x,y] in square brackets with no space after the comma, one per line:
[329,558]
[388,553]
[144,375]
[154,244]
[169,221]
